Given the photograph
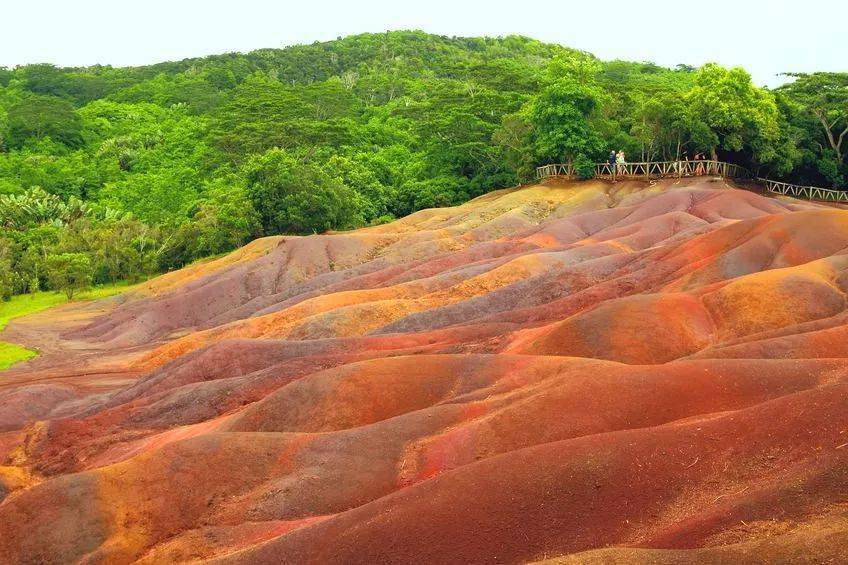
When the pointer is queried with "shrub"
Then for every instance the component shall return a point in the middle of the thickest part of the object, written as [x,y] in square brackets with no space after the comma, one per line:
[584,168]
[69,272]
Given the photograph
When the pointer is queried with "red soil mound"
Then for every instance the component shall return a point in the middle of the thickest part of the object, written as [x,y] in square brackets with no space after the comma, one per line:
[573,373]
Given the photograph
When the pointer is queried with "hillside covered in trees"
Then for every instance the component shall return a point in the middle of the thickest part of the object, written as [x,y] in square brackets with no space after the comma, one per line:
[114,173]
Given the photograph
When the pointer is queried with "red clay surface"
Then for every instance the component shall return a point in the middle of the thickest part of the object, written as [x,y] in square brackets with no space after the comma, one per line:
[562,373]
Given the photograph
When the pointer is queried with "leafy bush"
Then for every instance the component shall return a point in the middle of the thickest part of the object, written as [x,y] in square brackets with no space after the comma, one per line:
[584,167]
[292,196]
[7,279]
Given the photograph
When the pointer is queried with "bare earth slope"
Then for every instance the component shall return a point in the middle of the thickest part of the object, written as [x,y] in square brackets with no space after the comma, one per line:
[564,373]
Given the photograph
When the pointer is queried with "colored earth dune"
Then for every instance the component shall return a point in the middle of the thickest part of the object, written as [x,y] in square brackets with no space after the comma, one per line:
[564,373]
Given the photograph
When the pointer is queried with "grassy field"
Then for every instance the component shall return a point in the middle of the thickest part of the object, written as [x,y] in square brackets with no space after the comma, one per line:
[24,304]
[11,354]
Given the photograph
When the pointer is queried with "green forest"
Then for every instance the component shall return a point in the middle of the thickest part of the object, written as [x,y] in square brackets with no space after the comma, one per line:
[113,174]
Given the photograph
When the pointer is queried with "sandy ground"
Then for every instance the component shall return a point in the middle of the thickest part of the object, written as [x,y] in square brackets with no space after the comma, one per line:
[563,373]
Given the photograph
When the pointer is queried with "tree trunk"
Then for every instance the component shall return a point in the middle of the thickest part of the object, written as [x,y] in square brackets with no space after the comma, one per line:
[835,144]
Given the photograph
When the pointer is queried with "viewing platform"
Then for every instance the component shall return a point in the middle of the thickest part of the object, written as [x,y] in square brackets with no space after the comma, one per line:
[679,169]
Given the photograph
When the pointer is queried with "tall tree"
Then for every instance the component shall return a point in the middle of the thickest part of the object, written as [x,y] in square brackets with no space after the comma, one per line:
[825,95]
[561,119]
[727,112]
[69,273]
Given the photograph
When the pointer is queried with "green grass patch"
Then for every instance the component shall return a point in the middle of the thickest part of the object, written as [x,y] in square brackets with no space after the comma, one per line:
[24,304]
[11,354]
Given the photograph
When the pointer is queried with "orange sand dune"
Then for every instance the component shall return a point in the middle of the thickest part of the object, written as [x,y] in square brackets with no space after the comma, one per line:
[559,373]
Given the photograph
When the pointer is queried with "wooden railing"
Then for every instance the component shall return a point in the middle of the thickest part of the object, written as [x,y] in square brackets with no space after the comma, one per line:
[555,170]
[650,170]
[806,192]
[672,169]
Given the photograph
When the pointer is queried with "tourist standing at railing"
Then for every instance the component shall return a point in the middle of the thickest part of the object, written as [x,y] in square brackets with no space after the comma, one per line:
[621,163]
[611,163]
[699,168]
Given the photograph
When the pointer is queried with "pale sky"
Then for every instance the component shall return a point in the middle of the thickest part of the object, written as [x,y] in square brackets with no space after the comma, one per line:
[766,37]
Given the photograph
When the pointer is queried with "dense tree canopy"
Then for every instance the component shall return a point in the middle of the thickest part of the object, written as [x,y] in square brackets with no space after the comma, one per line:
[299,197]
[729,113]
[144,169]
[817,109]
[561,118]
[37,117]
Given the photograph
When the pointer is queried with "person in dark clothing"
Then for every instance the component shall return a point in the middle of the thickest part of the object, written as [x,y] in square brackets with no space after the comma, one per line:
[611,161]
